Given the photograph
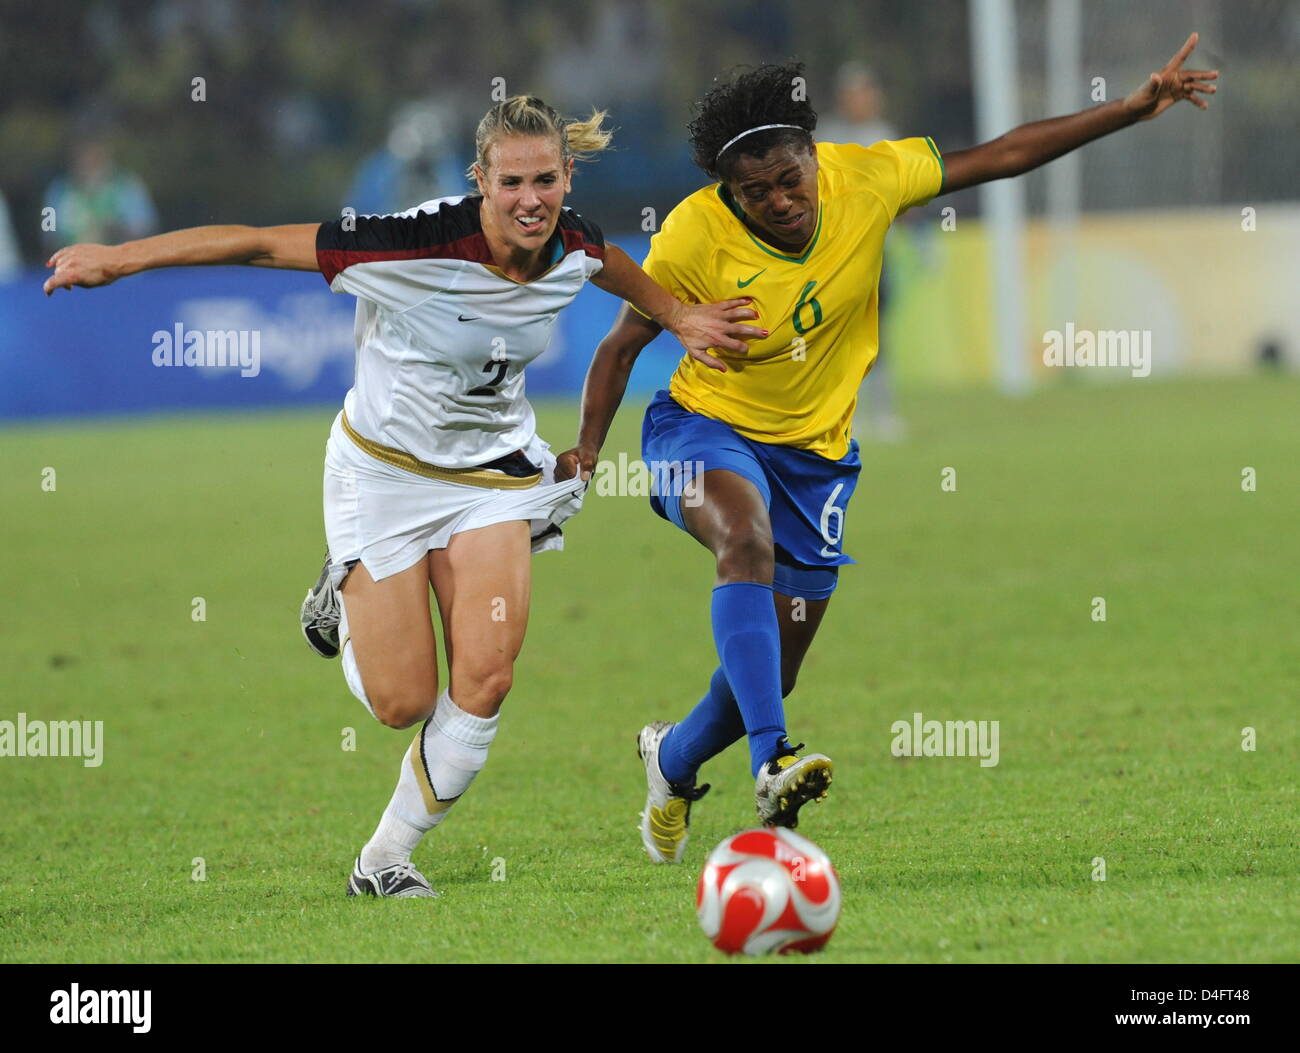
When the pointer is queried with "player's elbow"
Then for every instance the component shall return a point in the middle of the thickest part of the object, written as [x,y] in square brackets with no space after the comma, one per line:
[625,356]
[291,247]
[254,246]
[618,353]
[1011,162]
[631,333]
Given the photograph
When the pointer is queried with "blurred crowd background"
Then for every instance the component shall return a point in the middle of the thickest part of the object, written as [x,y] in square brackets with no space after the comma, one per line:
[316,104]
[127,117]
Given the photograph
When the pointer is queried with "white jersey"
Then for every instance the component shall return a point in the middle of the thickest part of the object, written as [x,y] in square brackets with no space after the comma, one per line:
[443,335]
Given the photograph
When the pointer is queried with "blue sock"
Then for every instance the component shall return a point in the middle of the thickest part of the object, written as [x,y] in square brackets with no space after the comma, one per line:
[748,640]
[709,728]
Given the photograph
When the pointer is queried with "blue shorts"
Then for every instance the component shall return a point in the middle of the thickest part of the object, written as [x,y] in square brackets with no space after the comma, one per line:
[806,494]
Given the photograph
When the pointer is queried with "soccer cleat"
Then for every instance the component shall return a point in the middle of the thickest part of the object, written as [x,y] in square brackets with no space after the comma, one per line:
[787,782]
[320,615]
[400,881]
[667,817]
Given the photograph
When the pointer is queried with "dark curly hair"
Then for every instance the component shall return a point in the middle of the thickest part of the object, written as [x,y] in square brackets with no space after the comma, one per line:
[748,98]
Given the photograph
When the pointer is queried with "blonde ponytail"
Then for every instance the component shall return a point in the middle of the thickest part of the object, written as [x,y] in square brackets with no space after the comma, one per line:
[584,139]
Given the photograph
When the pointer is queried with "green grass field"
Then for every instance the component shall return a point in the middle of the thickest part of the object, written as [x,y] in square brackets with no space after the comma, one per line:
[1120,739]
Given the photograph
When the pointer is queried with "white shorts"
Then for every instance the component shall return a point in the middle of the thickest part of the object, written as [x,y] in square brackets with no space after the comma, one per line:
[390,518]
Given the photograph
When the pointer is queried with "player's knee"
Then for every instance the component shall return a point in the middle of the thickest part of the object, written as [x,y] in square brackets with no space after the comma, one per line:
[745,553]
[400,706]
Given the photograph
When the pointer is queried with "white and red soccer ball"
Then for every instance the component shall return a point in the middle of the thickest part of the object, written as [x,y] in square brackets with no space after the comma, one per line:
[768,890]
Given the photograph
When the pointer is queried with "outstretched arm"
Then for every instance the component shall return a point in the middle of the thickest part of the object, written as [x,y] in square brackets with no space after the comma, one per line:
[291,247]
[1031,145]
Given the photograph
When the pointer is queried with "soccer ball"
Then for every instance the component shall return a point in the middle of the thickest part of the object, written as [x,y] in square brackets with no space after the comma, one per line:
[768,890]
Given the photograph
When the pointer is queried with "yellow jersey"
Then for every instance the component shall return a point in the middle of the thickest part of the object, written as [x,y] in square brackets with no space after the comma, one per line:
[798,386]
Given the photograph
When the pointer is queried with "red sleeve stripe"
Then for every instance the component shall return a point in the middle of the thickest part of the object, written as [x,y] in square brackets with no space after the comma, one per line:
[473,248]
[574,241]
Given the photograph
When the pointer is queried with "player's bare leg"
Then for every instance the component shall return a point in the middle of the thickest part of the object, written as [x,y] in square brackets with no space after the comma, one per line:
[389,644]
[390,661]
[730,520]
[482,582]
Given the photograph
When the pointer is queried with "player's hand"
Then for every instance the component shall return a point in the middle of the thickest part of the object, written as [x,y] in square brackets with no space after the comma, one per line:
[86,265]
[1172,84]
[571,462]
[702,327]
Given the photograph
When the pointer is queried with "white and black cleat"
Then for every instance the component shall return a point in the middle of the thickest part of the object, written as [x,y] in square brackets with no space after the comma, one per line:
[400,881]
[666,820]
[320,615]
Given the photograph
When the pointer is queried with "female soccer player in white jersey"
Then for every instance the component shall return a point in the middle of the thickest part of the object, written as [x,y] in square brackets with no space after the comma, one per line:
[434,473]
[800,227]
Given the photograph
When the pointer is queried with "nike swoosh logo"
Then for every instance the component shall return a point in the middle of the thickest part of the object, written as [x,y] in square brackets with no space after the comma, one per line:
[472,318]
[828,553]
[741,285]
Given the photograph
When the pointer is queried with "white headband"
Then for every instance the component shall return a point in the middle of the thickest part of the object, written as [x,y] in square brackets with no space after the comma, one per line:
[751,131]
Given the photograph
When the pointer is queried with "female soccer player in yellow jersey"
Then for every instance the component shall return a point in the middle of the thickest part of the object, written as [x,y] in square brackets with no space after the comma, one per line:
[798,227]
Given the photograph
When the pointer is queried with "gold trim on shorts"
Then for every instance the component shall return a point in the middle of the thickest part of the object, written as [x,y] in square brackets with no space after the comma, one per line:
[469,476]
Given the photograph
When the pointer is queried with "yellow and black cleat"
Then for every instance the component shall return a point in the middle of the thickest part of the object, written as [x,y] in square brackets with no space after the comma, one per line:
[786,783]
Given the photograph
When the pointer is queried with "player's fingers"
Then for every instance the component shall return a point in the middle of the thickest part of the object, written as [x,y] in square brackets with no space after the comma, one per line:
[708,359]
[741,301]
[728,340]
[737,325]
[740,314]
[747,332]
[1198,102]
[1184,51]
[1196,85]
[1201,74]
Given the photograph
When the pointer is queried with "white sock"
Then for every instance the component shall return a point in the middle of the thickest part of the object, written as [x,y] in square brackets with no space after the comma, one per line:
[449,751]
[350,671]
